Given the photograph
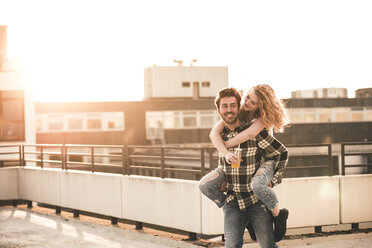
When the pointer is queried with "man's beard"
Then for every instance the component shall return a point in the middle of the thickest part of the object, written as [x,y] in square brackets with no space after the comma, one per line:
[228,120]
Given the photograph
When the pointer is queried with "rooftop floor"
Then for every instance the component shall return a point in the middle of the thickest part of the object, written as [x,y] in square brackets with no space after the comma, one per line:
[22,227]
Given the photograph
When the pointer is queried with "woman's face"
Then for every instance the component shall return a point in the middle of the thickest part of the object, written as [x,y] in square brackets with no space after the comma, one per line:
[250,101]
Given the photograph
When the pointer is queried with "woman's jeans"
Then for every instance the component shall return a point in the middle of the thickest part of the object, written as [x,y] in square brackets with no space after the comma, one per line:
[260,183]
[236,221]
[210,184]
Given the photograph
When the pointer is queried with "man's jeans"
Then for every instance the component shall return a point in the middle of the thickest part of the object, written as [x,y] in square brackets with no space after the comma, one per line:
[236,221]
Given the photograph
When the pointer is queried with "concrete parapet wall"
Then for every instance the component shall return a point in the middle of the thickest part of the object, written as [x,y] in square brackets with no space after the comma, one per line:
[356,198]
[9,183]
[93,192]
[174,203]
[166,202]
[312,201]
[40,185]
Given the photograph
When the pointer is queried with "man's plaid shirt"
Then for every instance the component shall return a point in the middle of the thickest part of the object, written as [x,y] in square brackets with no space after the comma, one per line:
[254,152]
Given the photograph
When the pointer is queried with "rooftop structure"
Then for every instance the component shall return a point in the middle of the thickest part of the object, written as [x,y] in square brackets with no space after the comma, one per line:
[191,82]
[320,93]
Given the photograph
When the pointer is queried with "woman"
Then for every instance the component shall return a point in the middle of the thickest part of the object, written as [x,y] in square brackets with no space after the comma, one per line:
[262,109]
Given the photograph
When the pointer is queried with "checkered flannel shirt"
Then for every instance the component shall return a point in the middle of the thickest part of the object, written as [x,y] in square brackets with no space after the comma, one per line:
[254,152]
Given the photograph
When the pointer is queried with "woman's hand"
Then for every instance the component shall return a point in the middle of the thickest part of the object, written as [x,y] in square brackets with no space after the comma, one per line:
[223,187]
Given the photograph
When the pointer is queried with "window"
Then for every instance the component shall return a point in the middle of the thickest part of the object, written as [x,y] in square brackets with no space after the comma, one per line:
[186,84]
[115,120]
[206,84]
[56,122]
[75,124]
[12,123]
[80,122]
[325,115]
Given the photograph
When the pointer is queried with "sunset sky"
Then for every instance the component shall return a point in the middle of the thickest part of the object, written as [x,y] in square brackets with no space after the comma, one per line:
[79,50]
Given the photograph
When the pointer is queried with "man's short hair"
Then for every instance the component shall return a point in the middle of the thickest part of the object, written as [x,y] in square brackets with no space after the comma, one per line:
[227,92]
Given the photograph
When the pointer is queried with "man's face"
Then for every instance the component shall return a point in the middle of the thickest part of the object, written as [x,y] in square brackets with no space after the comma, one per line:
[228,109]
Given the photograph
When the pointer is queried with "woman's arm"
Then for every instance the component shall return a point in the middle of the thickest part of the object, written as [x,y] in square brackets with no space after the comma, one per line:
[247,134]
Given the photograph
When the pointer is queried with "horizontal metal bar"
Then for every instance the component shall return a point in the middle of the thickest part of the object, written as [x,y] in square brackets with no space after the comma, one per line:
[165,157]
[168,147]
[358,165]
[95,146]
[307,145]
[31,152]
[51,153]
[356,143]
[44,161]
[78,163]
[307,167]
[43,145]
[143,167]
[165,169]
[8,153]
[357,154]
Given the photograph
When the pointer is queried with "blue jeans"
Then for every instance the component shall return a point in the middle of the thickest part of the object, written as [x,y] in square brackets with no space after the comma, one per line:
[210,184]
[236,221]
[260,183]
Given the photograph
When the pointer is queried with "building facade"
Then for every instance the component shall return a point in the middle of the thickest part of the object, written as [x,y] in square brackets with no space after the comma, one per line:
[320,93]
[17,109]
[189,121]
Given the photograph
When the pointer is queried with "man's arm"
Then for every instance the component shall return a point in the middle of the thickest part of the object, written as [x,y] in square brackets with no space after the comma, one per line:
[276,150]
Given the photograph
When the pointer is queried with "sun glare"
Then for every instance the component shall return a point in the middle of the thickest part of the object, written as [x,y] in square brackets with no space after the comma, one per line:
[63,71]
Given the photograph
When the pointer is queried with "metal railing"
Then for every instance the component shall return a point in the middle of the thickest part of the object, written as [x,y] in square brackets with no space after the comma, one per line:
[362,151]
[173,161]
[162,161]
[322,151]
[10,155]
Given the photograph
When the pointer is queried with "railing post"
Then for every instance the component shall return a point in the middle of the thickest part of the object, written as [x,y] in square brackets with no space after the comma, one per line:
[343,159]
[128,161]
[211,162]
[162,162]
[65,156]
[41,157]
[123,160]
[330,161]
[20,149]
[202,161]
[92,158]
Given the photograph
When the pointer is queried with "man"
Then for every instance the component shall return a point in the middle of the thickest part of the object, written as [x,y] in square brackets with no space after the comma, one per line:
[241,204]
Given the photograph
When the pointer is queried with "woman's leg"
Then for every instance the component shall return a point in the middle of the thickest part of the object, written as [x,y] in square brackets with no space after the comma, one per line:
[261,188]
[210,184]
[267,195]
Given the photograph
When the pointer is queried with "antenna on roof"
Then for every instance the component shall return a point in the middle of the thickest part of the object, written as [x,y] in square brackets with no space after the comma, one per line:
[179,62]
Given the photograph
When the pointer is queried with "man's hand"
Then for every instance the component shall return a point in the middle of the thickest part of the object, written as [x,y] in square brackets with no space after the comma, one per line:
[231,158]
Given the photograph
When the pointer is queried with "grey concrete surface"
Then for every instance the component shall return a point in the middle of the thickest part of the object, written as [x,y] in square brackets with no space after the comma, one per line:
[21,228]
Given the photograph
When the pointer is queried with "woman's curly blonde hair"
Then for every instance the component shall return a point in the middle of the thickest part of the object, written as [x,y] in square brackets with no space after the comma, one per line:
[270,108]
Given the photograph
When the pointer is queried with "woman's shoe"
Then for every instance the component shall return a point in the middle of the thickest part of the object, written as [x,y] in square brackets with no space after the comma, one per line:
[280,224]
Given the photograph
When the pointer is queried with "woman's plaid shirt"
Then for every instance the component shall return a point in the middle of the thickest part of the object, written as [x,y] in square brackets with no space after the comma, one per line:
[254,152]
